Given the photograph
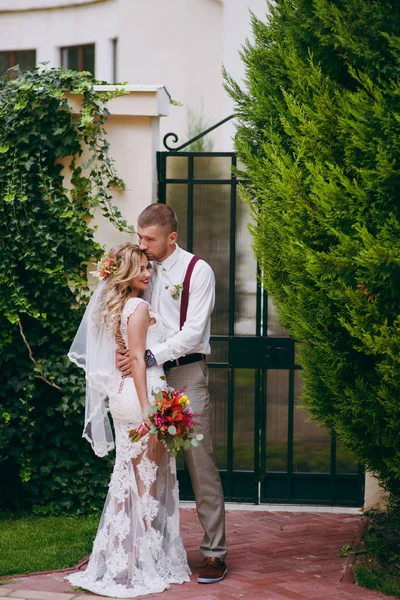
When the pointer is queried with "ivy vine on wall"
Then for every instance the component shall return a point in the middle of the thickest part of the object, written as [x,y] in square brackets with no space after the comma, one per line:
[47,241]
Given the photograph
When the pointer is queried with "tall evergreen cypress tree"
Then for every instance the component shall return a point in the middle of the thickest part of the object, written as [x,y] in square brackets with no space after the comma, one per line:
[319,134]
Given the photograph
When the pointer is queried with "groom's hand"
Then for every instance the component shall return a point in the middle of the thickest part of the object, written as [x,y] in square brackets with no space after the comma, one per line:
[123,362]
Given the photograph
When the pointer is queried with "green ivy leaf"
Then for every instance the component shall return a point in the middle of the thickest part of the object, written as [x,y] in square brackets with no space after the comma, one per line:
[47,237]
[12,318]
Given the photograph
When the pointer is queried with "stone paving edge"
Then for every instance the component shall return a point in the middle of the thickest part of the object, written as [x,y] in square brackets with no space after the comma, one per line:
[38,595]
[76,567]
[348,573]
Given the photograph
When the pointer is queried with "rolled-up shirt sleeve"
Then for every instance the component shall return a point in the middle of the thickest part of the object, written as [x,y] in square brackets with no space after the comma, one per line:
[201,304]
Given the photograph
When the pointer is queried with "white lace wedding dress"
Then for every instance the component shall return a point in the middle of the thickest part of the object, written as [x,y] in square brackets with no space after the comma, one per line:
[138,549]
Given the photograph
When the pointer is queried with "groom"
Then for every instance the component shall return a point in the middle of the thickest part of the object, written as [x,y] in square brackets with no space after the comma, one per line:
[183,357]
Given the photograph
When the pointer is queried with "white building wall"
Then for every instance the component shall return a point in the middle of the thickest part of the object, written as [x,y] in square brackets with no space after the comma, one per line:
[237,28]
[49,30]
[179,44]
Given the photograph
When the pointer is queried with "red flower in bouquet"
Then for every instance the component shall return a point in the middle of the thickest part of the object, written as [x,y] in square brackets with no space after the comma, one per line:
[172,421]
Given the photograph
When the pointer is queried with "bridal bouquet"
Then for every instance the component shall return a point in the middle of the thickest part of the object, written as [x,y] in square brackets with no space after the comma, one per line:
[172,421]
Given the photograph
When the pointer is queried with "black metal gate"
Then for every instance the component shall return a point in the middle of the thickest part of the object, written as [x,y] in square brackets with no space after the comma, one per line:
[266,450]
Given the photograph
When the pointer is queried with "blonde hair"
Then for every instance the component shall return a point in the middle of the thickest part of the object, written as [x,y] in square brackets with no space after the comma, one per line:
[127,257]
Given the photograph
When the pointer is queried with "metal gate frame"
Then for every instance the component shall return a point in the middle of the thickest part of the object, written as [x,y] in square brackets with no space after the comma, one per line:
[262,353]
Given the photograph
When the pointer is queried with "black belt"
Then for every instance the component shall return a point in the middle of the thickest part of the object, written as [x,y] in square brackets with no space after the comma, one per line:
[184,360]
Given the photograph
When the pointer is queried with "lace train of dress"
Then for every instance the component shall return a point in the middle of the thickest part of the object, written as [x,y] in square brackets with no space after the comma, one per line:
[138,549]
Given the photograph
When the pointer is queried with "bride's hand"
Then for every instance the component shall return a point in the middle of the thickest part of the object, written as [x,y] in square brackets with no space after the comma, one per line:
[123,362]
[145,425]
[146,421]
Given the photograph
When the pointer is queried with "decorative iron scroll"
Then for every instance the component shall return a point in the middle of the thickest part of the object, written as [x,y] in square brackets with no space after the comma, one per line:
[197,137]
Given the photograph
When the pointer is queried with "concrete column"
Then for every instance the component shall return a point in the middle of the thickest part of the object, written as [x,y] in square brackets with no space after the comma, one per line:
[375,497]
[133,133]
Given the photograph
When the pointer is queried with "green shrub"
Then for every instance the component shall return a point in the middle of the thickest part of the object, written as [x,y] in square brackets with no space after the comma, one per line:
[46,244]
[319,135]
[377,567]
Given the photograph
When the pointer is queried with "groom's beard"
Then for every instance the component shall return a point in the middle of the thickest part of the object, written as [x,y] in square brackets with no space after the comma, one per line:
[159,254]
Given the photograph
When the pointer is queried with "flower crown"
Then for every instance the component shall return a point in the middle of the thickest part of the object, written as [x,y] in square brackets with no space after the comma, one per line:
[106,267]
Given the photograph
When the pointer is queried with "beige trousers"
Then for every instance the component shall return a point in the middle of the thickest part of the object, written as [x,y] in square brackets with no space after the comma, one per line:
[200,460]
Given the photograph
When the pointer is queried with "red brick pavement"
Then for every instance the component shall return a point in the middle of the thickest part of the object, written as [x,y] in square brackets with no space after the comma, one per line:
[272,556]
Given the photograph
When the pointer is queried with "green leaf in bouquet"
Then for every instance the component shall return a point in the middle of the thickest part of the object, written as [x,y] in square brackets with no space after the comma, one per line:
[187,444]
[178,442]
[199,436]
[172,430]
[153,428]
[174,414]
[158,396]
[153,408]
[194,442]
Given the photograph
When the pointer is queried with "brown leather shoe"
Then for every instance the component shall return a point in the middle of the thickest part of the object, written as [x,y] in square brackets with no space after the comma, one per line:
[214,570]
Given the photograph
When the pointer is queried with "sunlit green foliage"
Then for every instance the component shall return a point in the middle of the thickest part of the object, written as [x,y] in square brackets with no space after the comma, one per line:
[319,135]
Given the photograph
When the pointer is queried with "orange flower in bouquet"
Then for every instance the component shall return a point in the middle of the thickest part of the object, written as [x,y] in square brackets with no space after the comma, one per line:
[172,421]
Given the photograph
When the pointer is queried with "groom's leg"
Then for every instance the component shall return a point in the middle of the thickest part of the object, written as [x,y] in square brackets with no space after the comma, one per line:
[200,460]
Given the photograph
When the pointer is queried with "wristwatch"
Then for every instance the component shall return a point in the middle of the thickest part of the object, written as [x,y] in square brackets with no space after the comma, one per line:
[149,358]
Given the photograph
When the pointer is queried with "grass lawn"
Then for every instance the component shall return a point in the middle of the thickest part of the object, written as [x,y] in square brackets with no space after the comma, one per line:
[379,568]
[30,543]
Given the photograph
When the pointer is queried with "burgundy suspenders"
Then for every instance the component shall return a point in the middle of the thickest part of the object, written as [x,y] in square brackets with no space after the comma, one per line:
[185,291]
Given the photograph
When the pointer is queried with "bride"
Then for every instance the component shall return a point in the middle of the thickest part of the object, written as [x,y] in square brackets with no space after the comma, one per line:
[138,549]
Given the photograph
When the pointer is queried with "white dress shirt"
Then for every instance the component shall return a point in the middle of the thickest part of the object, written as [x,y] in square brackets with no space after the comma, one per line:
[195,334]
